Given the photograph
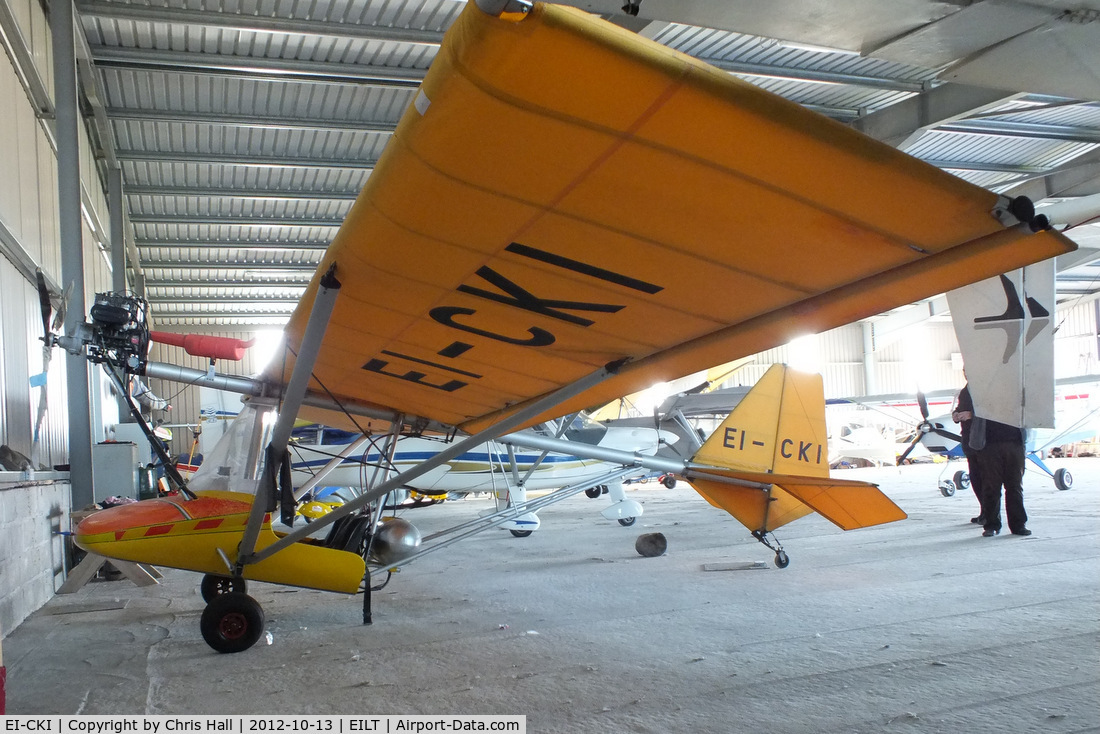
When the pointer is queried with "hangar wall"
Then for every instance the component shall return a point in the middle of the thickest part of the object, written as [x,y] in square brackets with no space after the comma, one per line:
[34,510]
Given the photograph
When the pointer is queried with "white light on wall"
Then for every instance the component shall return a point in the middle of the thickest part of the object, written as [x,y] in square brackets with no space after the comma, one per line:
[804,353]
[268,343]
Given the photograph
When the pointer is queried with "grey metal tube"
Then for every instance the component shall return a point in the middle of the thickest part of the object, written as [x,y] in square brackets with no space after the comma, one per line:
[229,383]
[72,246]
[323,304]
[514,420]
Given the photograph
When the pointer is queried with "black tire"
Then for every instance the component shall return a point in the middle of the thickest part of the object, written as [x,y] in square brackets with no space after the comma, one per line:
[232,622]
[1063,479]
[782,560]
[593,493]
[947,488]
[214,586]
[669,481]
[627,521]
[962,479]
[520,533]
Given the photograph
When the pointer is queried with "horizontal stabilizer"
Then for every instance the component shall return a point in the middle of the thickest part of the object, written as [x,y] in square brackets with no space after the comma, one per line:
[847,504]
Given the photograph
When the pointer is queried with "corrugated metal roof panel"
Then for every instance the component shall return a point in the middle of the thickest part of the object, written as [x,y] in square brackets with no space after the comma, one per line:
[996,149]
[712,44]
[228,175]
[169,91]
[223,139]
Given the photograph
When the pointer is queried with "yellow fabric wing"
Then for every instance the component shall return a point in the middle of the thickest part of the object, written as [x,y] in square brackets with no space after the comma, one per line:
[563,194]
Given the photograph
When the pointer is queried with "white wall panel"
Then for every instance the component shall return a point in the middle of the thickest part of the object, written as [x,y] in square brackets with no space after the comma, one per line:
[10,94]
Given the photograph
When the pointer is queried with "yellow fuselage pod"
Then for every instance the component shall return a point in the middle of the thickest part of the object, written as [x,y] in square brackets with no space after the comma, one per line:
[188,534]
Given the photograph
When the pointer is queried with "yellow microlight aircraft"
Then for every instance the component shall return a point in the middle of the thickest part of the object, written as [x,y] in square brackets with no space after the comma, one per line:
[568,213]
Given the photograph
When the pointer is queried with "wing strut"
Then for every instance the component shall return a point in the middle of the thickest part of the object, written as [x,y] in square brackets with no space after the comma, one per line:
[323,305]
[518,418]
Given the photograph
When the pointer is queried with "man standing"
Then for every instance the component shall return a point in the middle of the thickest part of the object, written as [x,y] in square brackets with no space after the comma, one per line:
[1001,463]
[963,414]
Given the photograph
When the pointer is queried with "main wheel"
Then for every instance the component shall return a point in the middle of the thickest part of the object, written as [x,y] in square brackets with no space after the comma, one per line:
[627,521]
[520,533]
[214,586]
[1063,479]
[781,559]
[962,479]
[593,493]
[232,622]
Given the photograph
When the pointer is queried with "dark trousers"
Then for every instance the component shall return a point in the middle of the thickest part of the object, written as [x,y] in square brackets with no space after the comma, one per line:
[974,469]
[1002,465]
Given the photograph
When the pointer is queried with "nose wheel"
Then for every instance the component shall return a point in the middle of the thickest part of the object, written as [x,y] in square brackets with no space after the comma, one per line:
[232,622]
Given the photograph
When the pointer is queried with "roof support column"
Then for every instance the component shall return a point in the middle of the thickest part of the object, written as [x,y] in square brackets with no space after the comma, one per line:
[70,233]
[118,257]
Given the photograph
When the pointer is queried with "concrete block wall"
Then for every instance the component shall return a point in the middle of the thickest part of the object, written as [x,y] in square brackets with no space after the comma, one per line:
[31,515]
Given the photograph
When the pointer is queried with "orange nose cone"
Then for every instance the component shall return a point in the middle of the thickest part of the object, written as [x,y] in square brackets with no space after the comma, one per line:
[125,517]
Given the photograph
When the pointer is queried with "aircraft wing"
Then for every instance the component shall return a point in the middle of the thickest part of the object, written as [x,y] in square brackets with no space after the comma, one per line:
[563,194]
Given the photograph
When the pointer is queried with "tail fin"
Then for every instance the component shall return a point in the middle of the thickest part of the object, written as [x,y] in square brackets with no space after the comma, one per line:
[779,427]
[767,464]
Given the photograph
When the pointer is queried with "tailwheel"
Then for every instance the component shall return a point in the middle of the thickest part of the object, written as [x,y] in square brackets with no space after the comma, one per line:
[947,488]
[782,560]
[232,622]
[593,493]
[1063,479]
[214,586]
[627,521]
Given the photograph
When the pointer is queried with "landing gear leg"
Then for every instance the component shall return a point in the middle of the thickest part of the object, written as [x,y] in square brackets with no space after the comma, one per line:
[782,560]
[367,616]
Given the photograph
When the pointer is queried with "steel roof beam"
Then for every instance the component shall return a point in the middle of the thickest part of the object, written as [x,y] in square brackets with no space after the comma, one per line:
[251,67]
[986,167]
[243,159]
[1079,177]
[273,269]
[233,220]
[226,300]
[283,281]
[772,71]
[901,124]
[256,24]
[267,122]
[242,192]
[988,126]
[239,245]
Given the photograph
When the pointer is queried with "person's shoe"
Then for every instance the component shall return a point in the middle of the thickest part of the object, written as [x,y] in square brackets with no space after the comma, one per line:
[1021,531]
[990,533]
[979,520]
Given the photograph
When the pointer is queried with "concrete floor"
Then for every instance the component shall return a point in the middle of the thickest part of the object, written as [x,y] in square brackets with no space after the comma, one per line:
[918,626]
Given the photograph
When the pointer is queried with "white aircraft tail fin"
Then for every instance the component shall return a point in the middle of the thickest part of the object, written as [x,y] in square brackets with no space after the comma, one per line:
[1006,333]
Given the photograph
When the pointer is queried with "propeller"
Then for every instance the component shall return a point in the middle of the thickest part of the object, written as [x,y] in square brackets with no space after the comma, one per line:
[924,428]
[49,322]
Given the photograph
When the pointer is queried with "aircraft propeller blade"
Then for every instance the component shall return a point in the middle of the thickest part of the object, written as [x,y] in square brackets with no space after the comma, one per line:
[922,401]
[44,301]
[909,449]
